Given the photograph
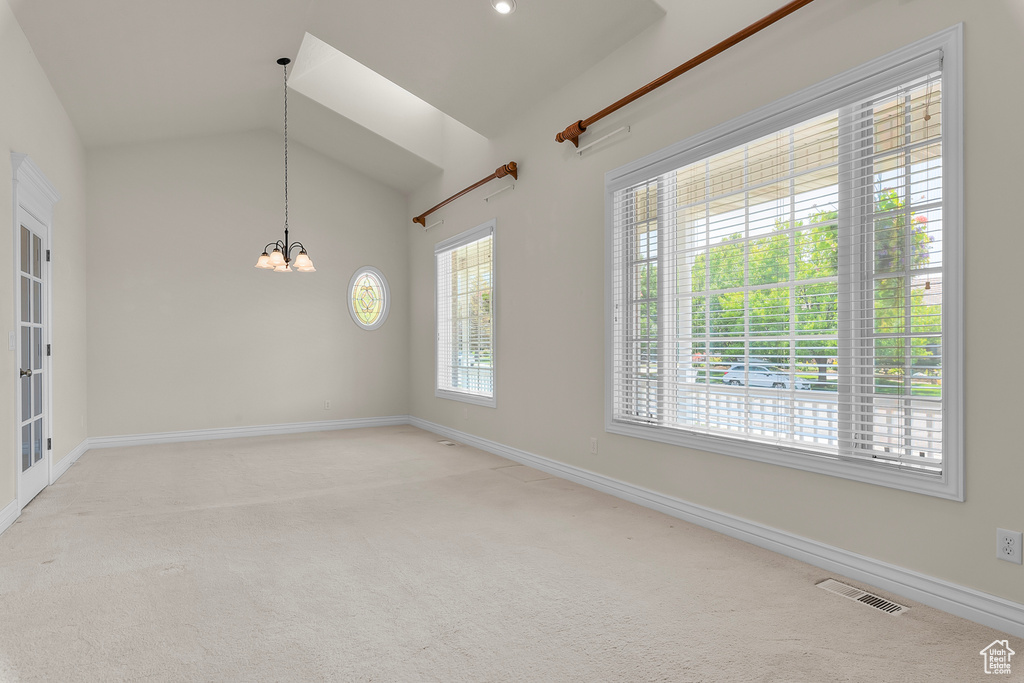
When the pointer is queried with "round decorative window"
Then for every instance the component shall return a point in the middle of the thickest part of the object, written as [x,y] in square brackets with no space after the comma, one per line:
[369,298]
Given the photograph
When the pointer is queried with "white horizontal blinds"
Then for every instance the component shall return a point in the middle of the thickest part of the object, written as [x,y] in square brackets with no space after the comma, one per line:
[900,374]
[636,319]
[465,288]
[788,291]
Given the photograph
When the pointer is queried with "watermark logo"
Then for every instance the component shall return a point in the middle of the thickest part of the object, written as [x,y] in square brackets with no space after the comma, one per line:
[997,657]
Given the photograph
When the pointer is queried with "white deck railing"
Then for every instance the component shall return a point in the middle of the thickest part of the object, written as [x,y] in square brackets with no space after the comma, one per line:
[899,426]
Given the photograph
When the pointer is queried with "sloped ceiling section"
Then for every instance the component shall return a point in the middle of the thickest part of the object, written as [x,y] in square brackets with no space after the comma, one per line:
[318,127]
[131,71]
[363,96]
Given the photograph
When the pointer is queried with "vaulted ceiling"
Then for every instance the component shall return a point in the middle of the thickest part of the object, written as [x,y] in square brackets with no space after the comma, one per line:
[138,70]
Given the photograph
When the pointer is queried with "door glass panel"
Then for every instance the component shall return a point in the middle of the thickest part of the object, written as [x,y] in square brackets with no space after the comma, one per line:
[24,249]
[37,444]
[26,398]
[26,294]
[31,265]
[37,394]
[26,452]
[37,256]
[37,348]
[26,347]
[37,302]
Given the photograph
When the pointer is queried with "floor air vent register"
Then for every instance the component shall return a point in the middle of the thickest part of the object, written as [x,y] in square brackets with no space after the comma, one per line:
[879,603]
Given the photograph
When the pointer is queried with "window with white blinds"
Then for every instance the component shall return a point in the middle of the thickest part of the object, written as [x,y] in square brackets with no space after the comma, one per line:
[465,316]
[790,291]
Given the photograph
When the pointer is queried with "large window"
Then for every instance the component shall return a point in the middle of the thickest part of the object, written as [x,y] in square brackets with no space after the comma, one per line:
[787,287]
[465,316]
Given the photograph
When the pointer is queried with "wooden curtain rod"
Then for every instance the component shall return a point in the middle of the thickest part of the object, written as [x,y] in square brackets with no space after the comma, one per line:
[572,133]
[508,169]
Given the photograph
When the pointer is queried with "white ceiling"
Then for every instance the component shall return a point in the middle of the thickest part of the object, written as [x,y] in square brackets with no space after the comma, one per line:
[136,70]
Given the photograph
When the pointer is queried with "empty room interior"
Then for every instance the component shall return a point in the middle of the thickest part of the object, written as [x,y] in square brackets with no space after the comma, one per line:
[619,340]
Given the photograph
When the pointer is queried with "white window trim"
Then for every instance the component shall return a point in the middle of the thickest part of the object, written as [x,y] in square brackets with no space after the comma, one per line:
[812,101]
[472,235]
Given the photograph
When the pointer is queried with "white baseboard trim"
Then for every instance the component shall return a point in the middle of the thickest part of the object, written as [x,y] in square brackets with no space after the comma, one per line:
[59,468]
[961,601]
[8,515]
[239,432]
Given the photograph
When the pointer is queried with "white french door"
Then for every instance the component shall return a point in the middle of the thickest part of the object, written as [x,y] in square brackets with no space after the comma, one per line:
[33,382]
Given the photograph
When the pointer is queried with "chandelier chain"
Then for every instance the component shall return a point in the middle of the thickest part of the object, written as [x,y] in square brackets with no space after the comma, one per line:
[286,147]
[277,256]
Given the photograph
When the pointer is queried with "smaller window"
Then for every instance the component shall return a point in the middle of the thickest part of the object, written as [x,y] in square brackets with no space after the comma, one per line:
[465,316]
[369,298]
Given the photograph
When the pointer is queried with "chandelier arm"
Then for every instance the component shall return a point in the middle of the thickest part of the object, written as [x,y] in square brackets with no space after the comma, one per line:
[287,251]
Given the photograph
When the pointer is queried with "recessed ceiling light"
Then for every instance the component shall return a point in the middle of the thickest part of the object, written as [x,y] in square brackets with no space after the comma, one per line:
[504,6]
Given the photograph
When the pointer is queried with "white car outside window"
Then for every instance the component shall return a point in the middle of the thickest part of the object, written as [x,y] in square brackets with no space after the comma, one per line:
[761,376]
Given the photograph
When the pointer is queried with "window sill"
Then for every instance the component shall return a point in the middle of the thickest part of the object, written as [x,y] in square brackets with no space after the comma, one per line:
[475,399]
[944,486]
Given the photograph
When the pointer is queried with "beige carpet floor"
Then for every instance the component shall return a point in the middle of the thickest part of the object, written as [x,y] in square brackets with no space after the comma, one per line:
[381,555]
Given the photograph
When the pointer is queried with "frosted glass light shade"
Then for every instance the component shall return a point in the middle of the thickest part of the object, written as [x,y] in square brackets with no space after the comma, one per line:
[303,261]
[283,268]
[264,261]
[276,258]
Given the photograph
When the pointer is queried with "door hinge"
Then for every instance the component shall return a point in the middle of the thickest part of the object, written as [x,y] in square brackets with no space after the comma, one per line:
[49,444]
[47,255]
[47,349]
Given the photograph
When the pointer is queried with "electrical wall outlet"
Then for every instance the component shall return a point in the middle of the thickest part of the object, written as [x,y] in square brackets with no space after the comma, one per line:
[1008,545]
[593,445]
[327,405]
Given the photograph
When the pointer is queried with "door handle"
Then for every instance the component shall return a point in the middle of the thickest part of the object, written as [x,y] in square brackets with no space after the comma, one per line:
[26,373]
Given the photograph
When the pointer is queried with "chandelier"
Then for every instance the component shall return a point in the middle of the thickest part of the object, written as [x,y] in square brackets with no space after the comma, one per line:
[280,258]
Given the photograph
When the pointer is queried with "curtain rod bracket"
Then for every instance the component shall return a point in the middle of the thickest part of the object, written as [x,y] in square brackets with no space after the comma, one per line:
[572,133]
